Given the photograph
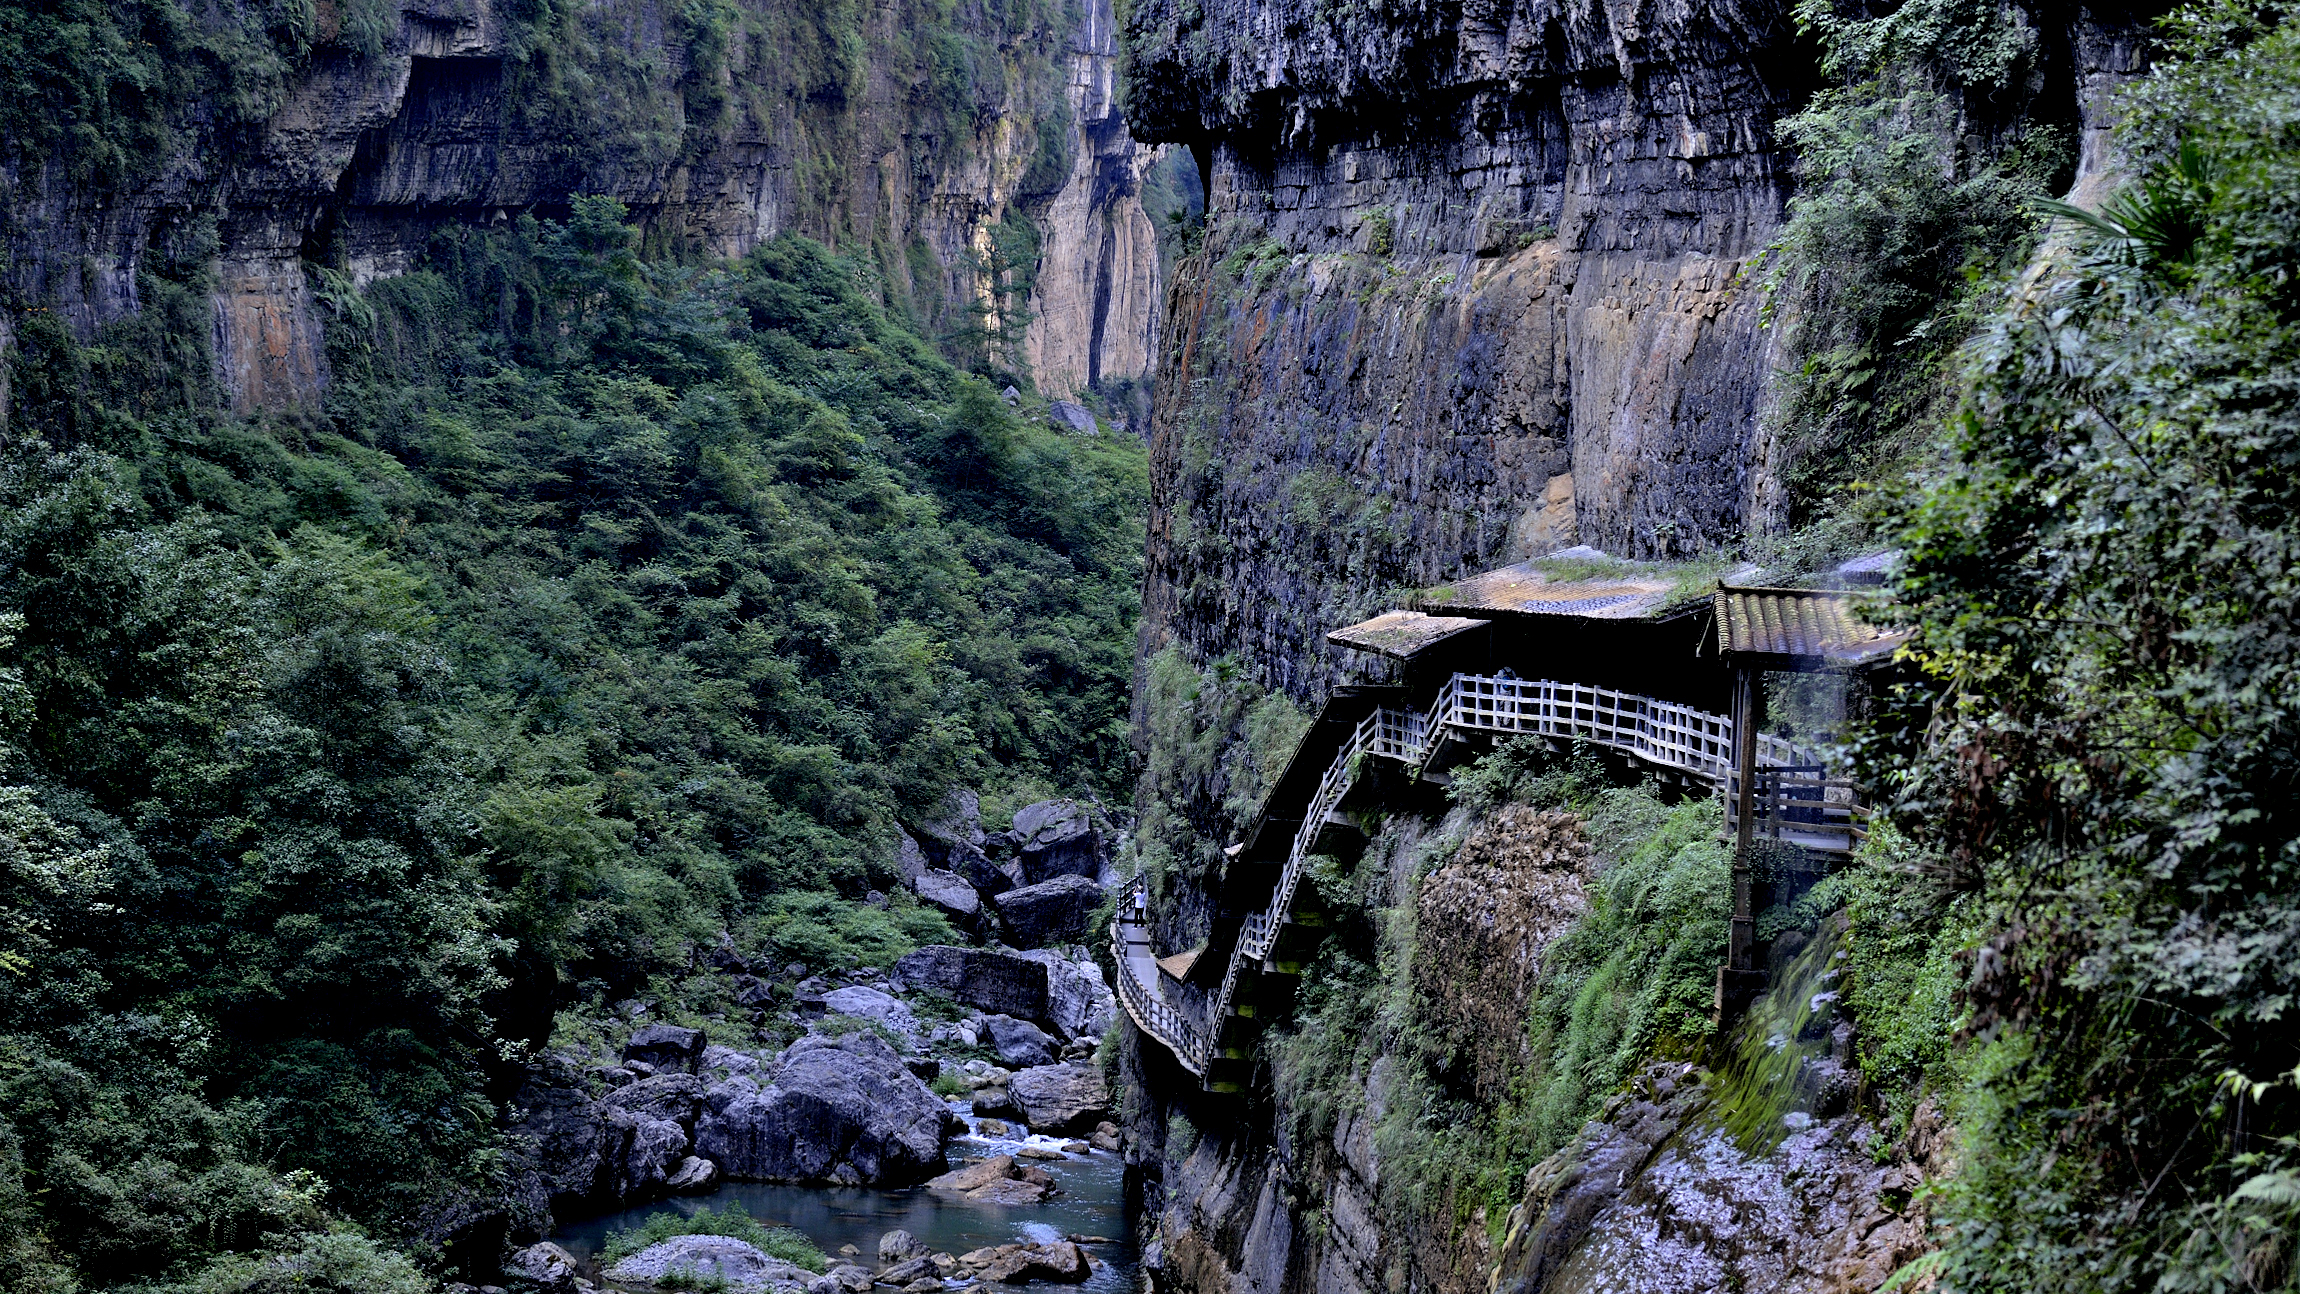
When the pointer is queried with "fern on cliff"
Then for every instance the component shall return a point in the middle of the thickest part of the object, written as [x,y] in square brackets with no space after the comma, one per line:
[2102,580]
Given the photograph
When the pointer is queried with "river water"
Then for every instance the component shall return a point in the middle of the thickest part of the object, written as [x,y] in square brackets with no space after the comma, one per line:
[1092,1202]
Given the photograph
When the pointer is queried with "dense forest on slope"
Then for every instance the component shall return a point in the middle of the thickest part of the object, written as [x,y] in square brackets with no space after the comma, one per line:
[606,605]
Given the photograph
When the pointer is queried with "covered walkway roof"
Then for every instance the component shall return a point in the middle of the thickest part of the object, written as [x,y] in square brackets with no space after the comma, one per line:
[1799,629]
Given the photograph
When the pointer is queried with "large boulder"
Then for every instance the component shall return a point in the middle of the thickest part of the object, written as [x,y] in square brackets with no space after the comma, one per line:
[841,1110]
[885,1010]
[561,1140]
[671,1098]
[1057,911]
[644,1154]
[899,1246]
[1056,838]
[666,1046]
[957,823]
[1079,1002]
[1059,1099]
[693,1176]
[701,1258]
[1019,1042]
[909,859]
[1060,1261]
[1071,417]
[998,1180]
[984,873]
[546,1266]
[988,980]
[949,894]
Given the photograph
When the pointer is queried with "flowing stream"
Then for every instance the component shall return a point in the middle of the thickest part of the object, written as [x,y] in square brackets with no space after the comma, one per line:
[1092,1202]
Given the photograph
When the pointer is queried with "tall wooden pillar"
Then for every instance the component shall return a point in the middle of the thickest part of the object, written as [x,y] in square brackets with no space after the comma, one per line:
[1738,980]
[1747,704]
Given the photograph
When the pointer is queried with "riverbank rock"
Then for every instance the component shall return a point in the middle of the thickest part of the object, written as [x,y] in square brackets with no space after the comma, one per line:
[995,1103]
[693,1176]
[1018,1042]
[1056,838]
[841,1110]
[1061,1262]
[560,1138]
[1056,911]
[999,1180]
[1079,1002]
[886,1010]
[740,1265]
[988,980]
[666,1047]
[899,1246]
[646,1151]
[545,1265]
[1059,1099]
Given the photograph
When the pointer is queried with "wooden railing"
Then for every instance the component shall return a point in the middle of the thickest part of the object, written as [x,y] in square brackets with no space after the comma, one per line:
[1794,801]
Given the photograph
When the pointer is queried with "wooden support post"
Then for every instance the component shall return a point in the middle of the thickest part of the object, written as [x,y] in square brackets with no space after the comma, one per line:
[1746,717]
[1738,980]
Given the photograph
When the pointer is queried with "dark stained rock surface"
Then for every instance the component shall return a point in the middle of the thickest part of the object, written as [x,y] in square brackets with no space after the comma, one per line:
[666,1047]
[1057,911]
[1019,1042]
[1058,1099]
[982,978]
[841,1110]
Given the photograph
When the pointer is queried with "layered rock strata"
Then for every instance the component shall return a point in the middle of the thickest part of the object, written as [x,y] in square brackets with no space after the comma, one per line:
[1476,286]
[450,116]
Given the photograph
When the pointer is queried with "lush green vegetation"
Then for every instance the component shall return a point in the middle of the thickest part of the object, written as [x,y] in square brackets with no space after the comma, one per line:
[607,604]
[1918,163]
[2101,756]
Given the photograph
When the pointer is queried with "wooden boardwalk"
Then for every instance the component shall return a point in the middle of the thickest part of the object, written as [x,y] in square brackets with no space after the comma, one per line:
[1803,807]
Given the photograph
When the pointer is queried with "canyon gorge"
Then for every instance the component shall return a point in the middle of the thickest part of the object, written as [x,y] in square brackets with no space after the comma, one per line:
[623,617]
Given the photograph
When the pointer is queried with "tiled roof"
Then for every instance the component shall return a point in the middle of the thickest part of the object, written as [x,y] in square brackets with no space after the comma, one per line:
[1808,625]
[1402,634]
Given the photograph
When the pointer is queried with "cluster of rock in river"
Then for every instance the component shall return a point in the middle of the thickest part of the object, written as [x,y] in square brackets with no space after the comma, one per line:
[676,1110]
[838,1105]
[903,1264]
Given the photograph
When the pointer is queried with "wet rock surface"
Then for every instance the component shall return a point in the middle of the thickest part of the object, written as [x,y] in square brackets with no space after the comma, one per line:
[1658,1197]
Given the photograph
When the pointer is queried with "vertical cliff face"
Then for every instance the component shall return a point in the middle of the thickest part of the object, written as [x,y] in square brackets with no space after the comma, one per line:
[975,155]
[1481,274]
[1093,311]
[1482,280]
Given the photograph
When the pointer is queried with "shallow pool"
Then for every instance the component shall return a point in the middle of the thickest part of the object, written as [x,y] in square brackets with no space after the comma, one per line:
[1092,1202]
